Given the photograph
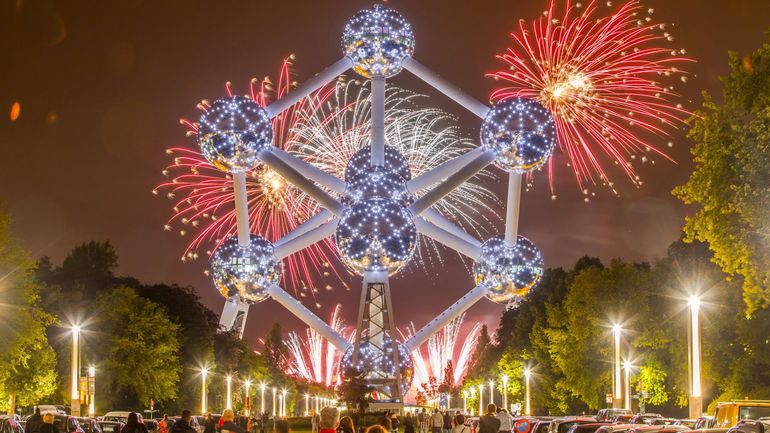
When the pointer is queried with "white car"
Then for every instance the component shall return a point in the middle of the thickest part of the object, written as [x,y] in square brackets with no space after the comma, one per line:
[120,416]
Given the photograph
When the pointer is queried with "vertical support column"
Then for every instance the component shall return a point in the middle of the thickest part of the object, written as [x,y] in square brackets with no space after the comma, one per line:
[241,208]
[512,209]
[393,342]
[234,315]
[378,121]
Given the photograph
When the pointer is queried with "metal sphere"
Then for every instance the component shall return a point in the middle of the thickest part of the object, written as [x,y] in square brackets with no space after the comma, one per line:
[369,361]
[377,40]
[521,132]
[232,132]
[361,162]
[509,273]
[377,182]
[376,235]
[245,271]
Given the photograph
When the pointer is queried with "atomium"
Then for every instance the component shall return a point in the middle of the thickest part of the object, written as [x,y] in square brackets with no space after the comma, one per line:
[232,132]
[377,40]
[376,235]
[247,272]
[521,132]
[372,360]
[508,273]
[377,182]
[360,163]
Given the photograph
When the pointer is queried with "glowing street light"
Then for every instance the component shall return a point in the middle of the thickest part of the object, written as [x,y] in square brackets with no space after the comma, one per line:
[616,377]
[229,398]
[91,390]
[274,412]
[473,395]
[491,392]
[505,391]
[627,370]
[696,398]
[527,409]
[283,402]
[307,404]
[204,373]
[481,399]
[465,402]
[248,397]
[75,378]
[262,387]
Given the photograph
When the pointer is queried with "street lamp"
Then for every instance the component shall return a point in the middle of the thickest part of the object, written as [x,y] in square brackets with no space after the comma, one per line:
[481,399]
[616,377]
[527,409]
[274,412]
[696,398]
[491,392]
[248,397]
[627,370]
[204,372]
[262,398]
[283,402]
[505,391]
[473,395]
[307,404]
[75,378]
[465,402]
[229,401]
[91,390]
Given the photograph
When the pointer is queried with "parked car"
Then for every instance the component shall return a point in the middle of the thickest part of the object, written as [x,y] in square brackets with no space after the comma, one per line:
[111,426]
[562,425]
[623,419]
[686,422]
[53,408]
[120,416]
[644,428]
[9,424]
[729,413]
[67,424]
[663,421]
[587,428]
[614,428]
[751,426]
[644,418]
[541,426]
[704,422]
[606,415]
[90,425]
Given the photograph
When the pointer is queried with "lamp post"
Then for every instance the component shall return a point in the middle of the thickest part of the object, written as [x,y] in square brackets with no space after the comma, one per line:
[204,372]
[317,404]
[248,398]
[505,391]
[696,398]
[262,398]
[617,393]
[473,395]
[91,390]
[307,404]
[481,399]
[627,377]
[274,412]
[229,401]
[75,378]
[283,402]
[465,402]
[527,409]
[491,392]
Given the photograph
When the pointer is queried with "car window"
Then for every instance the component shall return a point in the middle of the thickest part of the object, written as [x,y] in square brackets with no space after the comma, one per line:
[753,412]
[565,426]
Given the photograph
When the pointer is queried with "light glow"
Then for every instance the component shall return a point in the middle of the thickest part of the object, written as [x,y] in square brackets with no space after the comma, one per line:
[694,303]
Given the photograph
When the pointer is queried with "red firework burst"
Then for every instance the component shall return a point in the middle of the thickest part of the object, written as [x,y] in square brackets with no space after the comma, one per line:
[601,78]
[205,205]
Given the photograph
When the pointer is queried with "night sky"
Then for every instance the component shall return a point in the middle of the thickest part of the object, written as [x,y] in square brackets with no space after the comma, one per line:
[102,85]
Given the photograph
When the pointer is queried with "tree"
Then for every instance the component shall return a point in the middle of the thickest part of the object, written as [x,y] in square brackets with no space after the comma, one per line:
[276,352]
[353,390]
[27,361]
[138,349]
[731,181]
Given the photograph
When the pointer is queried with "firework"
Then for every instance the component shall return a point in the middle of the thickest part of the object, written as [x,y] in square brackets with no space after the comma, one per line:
[442,350]
[313,358]
[330,133]
[204,202]
[601,78]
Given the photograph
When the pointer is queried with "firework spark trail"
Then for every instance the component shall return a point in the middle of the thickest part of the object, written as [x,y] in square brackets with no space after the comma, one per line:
[599,77]
[334,130]
[206,201]
[314,359]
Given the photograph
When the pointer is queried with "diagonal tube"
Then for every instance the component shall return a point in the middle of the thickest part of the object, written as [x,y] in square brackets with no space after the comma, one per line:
[452,182]
[432,216]
[311,223]
[309,86]
[310,171]
[422,72]
[442,171]
[462,246]
[307,316]
[301,182]
[447,316]
[513,205]
[285,249]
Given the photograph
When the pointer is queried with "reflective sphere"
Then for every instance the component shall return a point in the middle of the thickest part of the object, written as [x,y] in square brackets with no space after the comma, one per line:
[521,132]
[361,162]
[369,360]
[377,182]
[246,272]
[232,132]
[377,40]
[376,235]
[509,273]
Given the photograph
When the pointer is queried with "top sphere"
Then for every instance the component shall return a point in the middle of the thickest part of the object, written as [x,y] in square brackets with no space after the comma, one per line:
[521,132]
[377,40]
[232,132]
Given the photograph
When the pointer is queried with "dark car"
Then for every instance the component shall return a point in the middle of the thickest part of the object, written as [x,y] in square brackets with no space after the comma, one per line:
[590,427]
[67,424]
[89,425]
[111,426]
[751,426]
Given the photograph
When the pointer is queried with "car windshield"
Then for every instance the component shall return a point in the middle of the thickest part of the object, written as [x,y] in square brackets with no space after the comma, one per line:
[754,412]
[114,418]
[565,426]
